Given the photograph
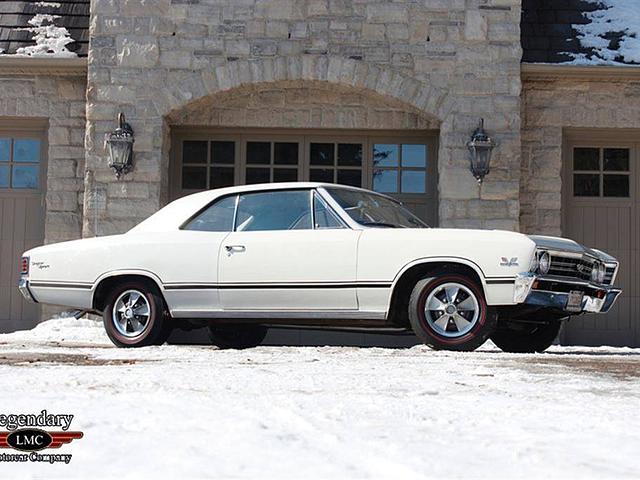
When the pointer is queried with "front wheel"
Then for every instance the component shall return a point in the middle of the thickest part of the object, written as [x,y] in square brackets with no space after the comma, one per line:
[526,338]
[237,336]
[449,312]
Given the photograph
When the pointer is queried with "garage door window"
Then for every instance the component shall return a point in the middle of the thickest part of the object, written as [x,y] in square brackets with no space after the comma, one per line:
[400,168]
[601,172]
[207,164]
[20,163]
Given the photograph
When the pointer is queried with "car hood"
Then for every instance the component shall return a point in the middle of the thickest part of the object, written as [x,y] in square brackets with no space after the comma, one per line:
[567,245]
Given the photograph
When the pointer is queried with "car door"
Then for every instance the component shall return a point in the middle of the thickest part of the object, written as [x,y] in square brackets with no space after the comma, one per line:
[288,252]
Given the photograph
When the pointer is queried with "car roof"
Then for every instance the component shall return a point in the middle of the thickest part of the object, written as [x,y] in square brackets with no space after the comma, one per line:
[177,212]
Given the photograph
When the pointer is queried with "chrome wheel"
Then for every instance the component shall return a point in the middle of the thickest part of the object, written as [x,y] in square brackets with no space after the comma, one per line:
[131,313]
[452,310]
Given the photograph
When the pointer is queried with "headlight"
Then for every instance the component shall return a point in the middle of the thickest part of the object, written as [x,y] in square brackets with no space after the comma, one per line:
[534,263]
[599,272]
[544,262]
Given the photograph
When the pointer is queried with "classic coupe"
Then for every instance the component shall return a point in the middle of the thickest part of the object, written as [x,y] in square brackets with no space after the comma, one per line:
[238,260]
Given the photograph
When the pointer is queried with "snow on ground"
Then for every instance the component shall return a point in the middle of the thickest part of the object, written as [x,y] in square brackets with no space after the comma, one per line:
[324,412]
[616,16]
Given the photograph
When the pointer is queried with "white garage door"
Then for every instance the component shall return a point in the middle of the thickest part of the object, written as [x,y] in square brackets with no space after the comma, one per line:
[602,209]
[22,155]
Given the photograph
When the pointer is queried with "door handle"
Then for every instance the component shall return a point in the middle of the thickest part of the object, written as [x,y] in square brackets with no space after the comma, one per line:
[231,249]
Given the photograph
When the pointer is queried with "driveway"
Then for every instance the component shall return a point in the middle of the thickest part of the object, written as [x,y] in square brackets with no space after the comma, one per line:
[323,412]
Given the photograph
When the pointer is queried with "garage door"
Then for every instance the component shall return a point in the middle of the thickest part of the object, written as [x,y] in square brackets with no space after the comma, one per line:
[396,163]
[601,198]
[21,219]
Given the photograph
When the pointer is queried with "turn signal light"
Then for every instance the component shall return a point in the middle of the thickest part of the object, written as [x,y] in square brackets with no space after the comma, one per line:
[24,266]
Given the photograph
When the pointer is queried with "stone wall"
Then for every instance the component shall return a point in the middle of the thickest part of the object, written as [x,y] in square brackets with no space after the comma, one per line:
[452,61]
[549,106]
[60,100]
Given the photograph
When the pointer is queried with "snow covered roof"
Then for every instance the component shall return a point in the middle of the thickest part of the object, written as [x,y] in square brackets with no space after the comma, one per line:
[58,28]
[581,32]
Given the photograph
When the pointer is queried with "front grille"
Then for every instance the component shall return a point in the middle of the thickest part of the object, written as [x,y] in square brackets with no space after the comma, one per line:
[571,267]
[608,278]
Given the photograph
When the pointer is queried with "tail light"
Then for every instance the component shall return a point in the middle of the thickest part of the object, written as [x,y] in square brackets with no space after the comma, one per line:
[24,266]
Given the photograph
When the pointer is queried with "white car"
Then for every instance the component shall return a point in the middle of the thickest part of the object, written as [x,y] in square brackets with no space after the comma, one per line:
[242,258]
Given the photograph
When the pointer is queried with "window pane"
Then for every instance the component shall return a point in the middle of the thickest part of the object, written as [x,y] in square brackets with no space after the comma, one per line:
[385,155]
[414,155]
[350,177]
[285,153]
[4,176]
[259,153]
[194,152]
[616,185]
[257,175]
[586,159]
[221,177]
[284,210]
[285,175]
[616,159]
[5,149]
[321,154]
[26,150]
[217,218]
[325,218]
[194,178]
[25,176]
[385,181]
[324,175]
[350,154]
[413,181]
[586,185]
[223,152]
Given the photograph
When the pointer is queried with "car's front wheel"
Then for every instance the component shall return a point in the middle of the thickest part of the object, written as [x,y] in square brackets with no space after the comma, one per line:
[449,312]
[135,316]
[526,338]
[237,336]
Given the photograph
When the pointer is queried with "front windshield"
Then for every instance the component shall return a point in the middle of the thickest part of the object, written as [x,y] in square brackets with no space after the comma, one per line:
[374,210]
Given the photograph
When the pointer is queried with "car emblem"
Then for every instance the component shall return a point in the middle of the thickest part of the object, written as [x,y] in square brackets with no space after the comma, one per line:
[582,268]
[506,262]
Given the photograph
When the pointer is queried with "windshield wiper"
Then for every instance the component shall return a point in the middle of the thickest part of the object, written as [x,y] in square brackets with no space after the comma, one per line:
[379,224]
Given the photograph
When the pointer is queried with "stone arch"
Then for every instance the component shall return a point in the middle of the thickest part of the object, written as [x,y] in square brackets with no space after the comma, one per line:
[379,80]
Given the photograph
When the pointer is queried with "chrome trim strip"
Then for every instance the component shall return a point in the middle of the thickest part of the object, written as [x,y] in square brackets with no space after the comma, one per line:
[271,286]
[281,314]
[79,286]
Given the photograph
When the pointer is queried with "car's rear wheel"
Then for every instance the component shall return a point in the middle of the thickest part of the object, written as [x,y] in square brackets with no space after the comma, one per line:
[449,312]
[526,338]
[134,316]
[239,337]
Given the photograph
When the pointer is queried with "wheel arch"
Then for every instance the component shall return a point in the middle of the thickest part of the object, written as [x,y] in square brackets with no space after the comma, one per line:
[414,271]
[105,283]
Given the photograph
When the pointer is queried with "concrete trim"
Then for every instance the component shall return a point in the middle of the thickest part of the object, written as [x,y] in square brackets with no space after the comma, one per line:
[17,65]
[544,71]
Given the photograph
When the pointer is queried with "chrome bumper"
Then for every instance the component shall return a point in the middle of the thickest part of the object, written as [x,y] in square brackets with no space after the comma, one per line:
[23,286]
[553,292]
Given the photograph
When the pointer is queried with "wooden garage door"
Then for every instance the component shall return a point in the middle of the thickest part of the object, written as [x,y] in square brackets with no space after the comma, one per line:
[601,199]
[22,167]
[396,163]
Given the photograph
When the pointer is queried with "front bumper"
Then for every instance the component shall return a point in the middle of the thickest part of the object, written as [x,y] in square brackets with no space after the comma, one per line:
[23,286]
[554,292]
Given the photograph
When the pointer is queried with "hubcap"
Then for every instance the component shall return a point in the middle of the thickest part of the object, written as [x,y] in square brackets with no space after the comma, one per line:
[131,313]
[452,310]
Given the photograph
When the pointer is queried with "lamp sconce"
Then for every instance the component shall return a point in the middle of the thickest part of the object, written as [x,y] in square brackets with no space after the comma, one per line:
[480,148]
[120,146]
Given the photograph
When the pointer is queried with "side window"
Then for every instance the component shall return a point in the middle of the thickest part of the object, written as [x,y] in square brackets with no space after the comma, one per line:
[217,218]
[279,210]
[325,218]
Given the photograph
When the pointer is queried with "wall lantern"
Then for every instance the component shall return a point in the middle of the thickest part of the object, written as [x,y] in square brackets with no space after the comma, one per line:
[480,150]
[120,145]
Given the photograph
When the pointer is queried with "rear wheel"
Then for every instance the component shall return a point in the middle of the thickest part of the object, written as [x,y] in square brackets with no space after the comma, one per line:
[135,316]
[449,312]
[526,338]
[237,336]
